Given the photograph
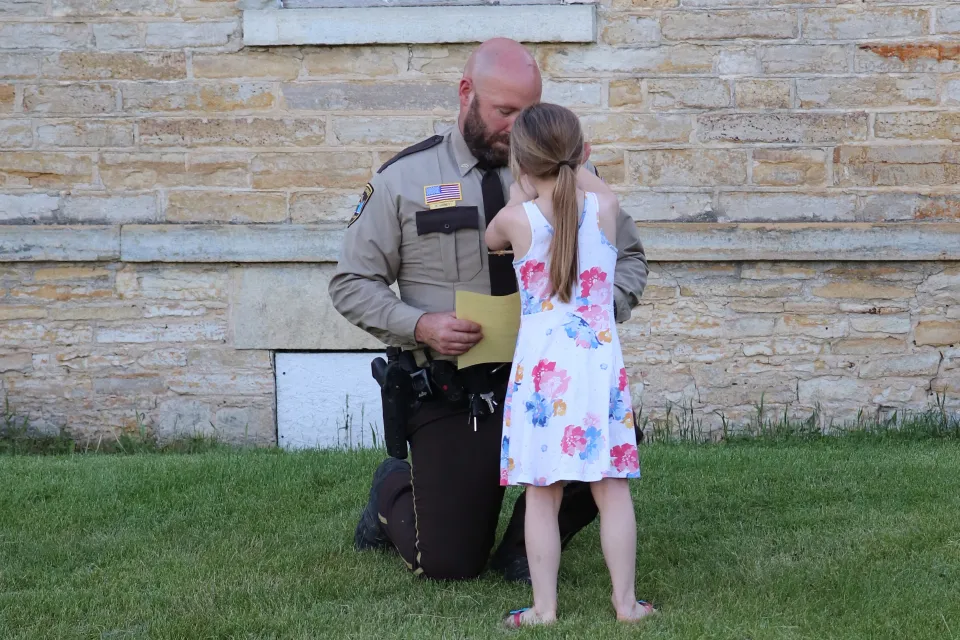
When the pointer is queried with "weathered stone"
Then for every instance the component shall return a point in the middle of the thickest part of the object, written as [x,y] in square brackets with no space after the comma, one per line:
[814,326]
[931,165]
[753,93]
[865,290]
[246,65]
[147,171]
[192,96]
[232,132]
[70,99]
[782,127]
[684,323]
[163,358]
[867,346]
[20,312]
[830,389]
[109,312]
[8,98]
[695,93]
[947,280]
[626,93]
[369,96]
[181,310]
[804,58]
[19,66]
[19,243]
[789,167]
[786,207]
[740,289]
[767,271]
[246,425]
[573,94]
[96,209]
[608,161]
[145,332]
[302,291]
[867,91]
[937,332]
[629,30]
[381,131]
[280,170]
[857,23]
[910,206]
[693,167]
[428,59]
[177,35]
[903,57]
[20,362]
[728,25]
[115,36]
[626,128]
[881,324]
[356,61]
[752,306]
[886,309]
[216,358]
[948,19]
[86,133]
[171,284]
[95,65]
[650,206]
[182,417]
[220,206]
[22,7]
[707,352]
[30,334]
[231,383]
[43,170]
[749,327]
[53,35]
[230,243]
[560,62]
[113,7]
[919,364]
[15,134]
[323,206]
[919,125]
[738,62]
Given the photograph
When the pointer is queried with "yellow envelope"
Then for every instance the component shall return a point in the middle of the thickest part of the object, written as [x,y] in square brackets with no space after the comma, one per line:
[500,318]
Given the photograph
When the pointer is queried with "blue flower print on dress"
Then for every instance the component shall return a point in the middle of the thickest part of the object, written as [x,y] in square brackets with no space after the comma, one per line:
[578,329]
[618,408]
[594,439]
[539,410]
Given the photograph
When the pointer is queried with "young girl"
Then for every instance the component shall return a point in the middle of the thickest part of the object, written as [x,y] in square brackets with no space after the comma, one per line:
[568,414]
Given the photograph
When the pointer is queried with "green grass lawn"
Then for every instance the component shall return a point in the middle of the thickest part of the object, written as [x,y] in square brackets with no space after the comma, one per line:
[827,539]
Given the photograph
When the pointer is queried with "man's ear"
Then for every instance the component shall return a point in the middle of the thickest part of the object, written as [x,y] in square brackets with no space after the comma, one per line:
[465,90]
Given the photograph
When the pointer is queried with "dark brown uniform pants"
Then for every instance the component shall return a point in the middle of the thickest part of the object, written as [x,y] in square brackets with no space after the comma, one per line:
[444,522]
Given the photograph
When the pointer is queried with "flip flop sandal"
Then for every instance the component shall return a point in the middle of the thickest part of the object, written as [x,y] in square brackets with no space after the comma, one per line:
[515,620]
[646,605]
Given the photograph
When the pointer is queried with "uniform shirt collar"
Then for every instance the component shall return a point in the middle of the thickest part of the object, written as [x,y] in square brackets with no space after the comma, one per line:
[462,154]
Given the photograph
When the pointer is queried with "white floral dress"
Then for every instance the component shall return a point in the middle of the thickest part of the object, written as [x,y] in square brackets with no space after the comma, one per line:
[567,414]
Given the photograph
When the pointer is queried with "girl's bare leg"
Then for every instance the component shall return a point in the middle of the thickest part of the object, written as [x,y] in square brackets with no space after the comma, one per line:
[542,539]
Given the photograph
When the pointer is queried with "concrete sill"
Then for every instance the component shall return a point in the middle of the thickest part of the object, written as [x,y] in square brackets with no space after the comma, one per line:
[419,25]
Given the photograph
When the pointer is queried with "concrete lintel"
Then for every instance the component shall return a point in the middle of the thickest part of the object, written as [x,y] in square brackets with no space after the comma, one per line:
[419,25]
[41,243]
[230,243]
[812,242]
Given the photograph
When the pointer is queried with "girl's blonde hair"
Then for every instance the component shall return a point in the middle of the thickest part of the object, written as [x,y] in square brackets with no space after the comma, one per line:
[547,141]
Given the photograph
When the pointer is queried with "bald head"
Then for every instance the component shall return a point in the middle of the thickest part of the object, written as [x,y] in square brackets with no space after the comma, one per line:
[500,79]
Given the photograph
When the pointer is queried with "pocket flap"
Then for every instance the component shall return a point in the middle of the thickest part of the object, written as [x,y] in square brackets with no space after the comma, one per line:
[447,220]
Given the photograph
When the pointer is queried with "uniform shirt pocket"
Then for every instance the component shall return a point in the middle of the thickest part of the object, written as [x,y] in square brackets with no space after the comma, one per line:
[453,234]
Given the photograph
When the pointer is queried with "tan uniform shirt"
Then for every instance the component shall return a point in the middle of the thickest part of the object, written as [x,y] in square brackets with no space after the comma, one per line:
[431,253]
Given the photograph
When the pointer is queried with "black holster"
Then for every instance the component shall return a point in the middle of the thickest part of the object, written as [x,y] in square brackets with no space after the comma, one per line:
[398,400]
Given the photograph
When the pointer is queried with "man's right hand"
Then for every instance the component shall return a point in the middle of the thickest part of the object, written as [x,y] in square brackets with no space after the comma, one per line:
[446,334]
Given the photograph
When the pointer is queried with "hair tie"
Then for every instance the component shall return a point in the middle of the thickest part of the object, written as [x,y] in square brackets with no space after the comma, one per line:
[565,163]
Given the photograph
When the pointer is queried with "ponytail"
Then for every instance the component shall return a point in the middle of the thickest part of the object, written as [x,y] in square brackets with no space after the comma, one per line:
[564,259]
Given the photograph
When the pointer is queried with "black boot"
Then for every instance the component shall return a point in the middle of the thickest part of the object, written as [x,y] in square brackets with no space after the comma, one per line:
[369,534]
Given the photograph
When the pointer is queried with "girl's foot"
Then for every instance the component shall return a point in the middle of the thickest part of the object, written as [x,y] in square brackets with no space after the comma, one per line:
[526,617]
[641,609]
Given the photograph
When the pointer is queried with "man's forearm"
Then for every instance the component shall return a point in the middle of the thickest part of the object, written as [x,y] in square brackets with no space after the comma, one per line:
[630,278]
[375,308]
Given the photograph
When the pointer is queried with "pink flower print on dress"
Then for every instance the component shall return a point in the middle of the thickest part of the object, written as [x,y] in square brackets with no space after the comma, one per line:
[536,287]
[550,381]
[595,288]
[625,458]
[599,320]
[574,440]
[623,379]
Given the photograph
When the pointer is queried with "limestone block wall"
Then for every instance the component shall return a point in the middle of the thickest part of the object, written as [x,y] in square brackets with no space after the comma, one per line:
[171,200]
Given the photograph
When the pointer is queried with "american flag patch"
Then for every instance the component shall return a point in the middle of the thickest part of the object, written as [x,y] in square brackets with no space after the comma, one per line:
[442,193]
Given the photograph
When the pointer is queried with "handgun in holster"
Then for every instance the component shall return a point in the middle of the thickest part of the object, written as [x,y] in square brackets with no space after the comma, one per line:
[403,386]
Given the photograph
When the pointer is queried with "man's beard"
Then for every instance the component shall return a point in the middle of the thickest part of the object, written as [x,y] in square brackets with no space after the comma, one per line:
[481,144]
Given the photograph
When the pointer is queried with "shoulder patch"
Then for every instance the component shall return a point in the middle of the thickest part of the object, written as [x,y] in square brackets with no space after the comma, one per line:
[420,146]
[364,199]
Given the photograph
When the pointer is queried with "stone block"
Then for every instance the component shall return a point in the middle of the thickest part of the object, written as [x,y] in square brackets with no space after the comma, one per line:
[573,94]
[15,134]
[89,8]
[686,323]
[323,206]
[867,91]
[790,167]
[86,133]
[70,99]
[282,170]
[786,207]
[749,327]
[767,271]
[370,61]
[381,131]
[689,167]
[57,36]
[177,418]
[862,290]
[882,166]
[21,312]
[740,289]
[947,280]
[609,162]
[948,19]
[8,98]
[30,208]
[225,206]
[177,35]
[301,291]
[433,59]
[937,333]
[231,243]
[117,36]
[913,365]
[881,324]
[97,313]
[96,65]
[751,306]
[754,93]
[215,359]
[369,96]
[910,206]
[231,383]
[868,346]
[250,131]
[19,362]
[194,96]
[171,283]
[950,92]
[729,25]
[29,334]
[106,210]
[19,66]
[22,7]
[857,23]
[44,170]
[650,206]
[246,425]
[738,62]
[680,59]
[821,327]
[260,64]
[147,332]
[919,125]
[627,93]
[831,390]
[641,128]
[628,30]
[147,171]
[688,93]
[904,57]
[804,58]
[783,127]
